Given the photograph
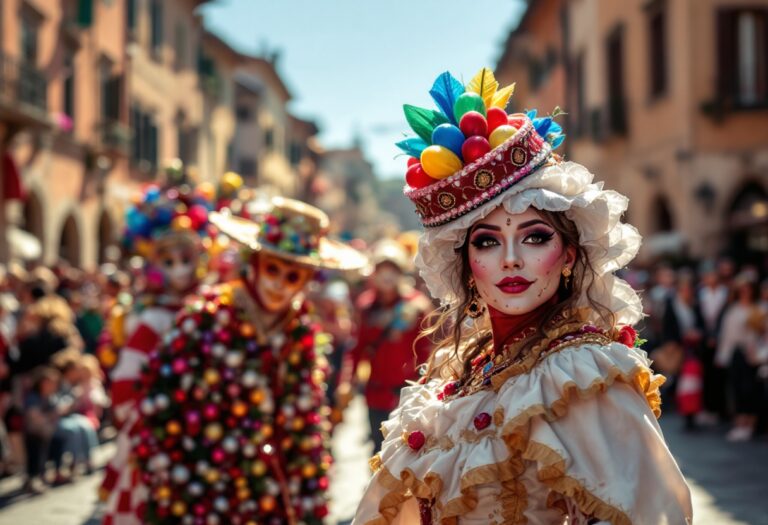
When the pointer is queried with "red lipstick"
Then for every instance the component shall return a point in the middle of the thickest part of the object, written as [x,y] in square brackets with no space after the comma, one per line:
[513,285]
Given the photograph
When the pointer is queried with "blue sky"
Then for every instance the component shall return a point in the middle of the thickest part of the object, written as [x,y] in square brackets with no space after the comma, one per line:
[351,64]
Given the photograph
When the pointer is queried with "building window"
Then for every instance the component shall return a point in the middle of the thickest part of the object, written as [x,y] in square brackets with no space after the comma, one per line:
[295,153]
[187,138]
[68,104]
[144,148]
[29,30]
[617,118]
[269,139]
[110,94]
[156,25]
[130,15]
[247,167]
[243,113]
[657,51]
[743,57]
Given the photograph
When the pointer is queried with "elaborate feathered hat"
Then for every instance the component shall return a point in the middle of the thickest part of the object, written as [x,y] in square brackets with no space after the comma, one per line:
[470,157]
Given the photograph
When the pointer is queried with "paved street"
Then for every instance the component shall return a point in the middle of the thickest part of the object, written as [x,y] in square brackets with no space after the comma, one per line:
[729,481]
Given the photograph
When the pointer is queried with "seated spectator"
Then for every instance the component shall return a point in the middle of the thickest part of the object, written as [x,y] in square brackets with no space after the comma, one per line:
[40,423]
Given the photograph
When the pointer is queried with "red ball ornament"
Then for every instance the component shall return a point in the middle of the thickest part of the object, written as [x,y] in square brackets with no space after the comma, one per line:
[180,396]
[474,148]
[416,177]
[473,124]
[412,161]
[482,420]
[211,412]
[416,440]
[496,117]
[198,215]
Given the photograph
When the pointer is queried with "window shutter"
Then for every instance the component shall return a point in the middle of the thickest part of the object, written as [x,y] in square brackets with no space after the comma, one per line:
[726,55]
[84,13]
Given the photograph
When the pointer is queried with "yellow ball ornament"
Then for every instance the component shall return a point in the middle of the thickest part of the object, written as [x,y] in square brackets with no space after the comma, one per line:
[297,425]
[214,431]
[231,182]
[257,396]
[267,503]
[294,358]
[181,223]
[308,471]
[108,358]
[163,492]
[178,508]
[239,409]
[501,134]
[211,376]
[267,431]
[212,476]
[439,162]
[258,468]
[206,190]
[173,428]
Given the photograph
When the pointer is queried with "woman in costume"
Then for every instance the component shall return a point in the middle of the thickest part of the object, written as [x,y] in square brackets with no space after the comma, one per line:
[234,424]
[537,407]
[165,227]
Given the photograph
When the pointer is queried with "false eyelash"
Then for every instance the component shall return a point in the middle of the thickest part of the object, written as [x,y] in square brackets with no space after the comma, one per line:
[477,242]
[544,236]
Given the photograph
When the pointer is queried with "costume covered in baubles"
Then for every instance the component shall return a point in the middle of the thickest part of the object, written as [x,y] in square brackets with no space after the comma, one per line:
[549,416]
[165,227]
[234,425]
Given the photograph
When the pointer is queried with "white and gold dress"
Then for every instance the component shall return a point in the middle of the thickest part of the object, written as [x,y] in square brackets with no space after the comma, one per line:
[565,435]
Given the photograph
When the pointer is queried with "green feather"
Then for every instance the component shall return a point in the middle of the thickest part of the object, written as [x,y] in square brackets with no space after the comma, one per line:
[423,121]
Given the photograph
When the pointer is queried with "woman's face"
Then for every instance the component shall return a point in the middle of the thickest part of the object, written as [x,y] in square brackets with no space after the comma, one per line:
[277,281]
[517,260]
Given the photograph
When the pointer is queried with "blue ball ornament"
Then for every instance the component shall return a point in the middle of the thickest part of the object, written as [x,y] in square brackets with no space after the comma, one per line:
[448,136]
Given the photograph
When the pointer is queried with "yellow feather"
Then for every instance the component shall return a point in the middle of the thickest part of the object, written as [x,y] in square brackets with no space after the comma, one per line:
[501,97]
[484,84]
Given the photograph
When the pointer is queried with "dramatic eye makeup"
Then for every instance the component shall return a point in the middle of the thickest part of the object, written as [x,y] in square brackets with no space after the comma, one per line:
[538,237]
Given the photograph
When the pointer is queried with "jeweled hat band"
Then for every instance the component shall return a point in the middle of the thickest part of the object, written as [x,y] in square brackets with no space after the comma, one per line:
[479,182]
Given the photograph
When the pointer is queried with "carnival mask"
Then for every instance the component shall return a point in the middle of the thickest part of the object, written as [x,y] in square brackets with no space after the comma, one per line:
[517,260]
[178,264]
[277,281]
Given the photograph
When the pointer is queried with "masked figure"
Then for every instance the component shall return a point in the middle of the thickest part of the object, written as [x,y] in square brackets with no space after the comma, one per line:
[535,406]
[234,427]
[166,228]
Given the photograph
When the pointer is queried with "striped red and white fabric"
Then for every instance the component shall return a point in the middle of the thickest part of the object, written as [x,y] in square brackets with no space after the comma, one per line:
[153,323]
[121,488]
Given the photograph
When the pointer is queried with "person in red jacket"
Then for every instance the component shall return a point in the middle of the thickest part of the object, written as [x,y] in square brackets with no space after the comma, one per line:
[390,313]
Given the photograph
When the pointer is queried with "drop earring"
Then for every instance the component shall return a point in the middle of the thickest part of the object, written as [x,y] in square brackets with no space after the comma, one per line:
[566,276]
[474,308]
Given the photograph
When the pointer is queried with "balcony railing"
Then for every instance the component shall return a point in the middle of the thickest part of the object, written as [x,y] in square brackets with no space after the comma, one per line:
[22,83]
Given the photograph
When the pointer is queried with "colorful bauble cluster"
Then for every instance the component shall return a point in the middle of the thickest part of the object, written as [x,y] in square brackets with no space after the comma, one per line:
[157,212]
[471,121]
[207,446]
[289,233]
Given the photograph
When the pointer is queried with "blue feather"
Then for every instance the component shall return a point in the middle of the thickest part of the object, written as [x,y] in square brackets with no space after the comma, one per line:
[542,125]
[531,114]
[445,91]
[412,146]
[555,128]
[557,141]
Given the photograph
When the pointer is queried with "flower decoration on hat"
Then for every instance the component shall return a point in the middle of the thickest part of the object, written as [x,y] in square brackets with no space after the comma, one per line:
[471,143]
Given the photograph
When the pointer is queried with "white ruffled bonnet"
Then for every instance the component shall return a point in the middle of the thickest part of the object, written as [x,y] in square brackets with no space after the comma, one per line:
[564,186]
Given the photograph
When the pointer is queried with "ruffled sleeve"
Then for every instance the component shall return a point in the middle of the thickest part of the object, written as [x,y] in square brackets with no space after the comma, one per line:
[599,445]
[579,428]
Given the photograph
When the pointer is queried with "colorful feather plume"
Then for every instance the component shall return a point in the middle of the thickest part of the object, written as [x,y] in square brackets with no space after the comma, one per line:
[485,85]
[502,96]
[445,91]
[423,121]
[413,146]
